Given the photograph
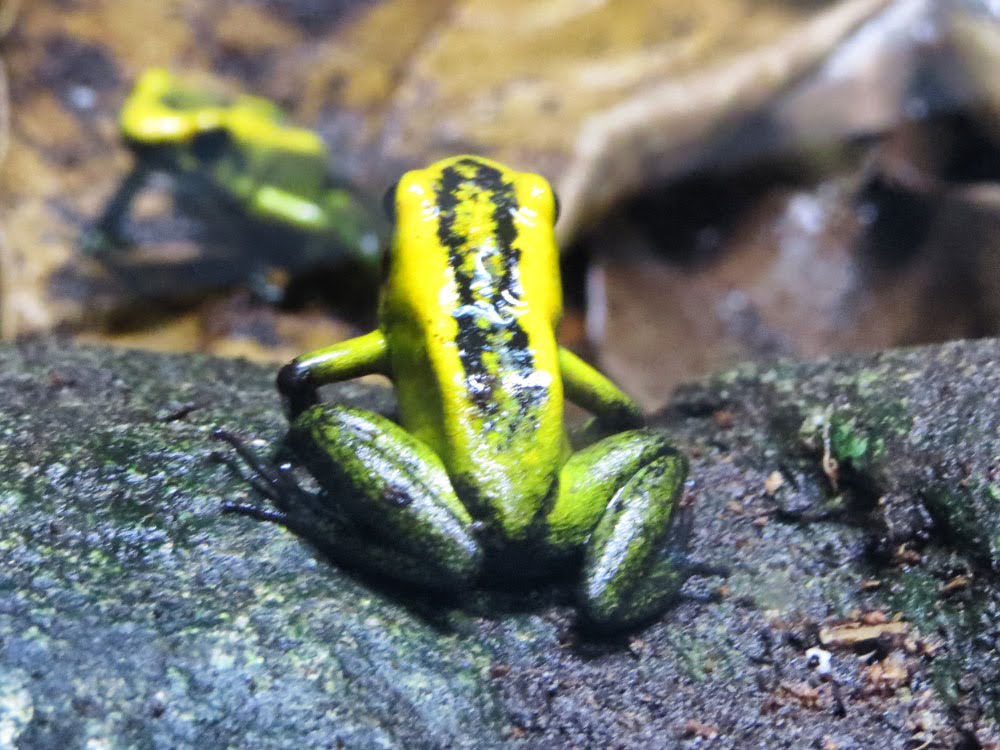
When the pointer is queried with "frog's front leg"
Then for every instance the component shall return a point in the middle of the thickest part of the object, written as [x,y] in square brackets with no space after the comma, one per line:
[299,380]
[106,233]
[618,500]
[395,491]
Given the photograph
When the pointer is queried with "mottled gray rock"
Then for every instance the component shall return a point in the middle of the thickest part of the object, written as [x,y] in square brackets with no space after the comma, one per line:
[134,614]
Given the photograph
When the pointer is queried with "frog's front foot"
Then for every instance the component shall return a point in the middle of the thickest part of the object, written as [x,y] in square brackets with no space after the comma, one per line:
[297,389]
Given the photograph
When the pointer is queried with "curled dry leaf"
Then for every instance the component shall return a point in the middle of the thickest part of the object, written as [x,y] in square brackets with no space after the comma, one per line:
[850,635]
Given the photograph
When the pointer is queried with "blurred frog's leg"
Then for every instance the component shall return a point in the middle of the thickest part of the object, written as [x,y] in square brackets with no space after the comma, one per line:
[586,387]
[618,499]
[394,489]
[106,233]
[299,380]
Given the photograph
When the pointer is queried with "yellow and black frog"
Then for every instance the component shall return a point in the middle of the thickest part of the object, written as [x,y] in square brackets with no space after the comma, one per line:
[478,477]
[239,156]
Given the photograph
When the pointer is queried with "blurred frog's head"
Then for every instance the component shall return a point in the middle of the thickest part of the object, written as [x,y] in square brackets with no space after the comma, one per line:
[166,111]
[163,111]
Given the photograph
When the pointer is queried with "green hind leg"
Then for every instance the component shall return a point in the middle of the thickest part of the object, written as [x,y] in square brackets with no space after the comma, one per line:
[386,506]
[618,500]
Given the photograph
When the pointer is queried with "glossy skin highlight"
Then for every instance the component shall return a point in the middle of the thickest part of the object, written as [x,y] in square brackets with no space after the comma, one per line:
[478,475]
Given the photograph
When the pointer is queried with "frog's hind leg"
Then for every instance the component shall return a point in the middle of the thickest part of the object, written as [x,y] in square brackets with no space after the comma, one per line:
[619,500]
[370,514]
[395,490]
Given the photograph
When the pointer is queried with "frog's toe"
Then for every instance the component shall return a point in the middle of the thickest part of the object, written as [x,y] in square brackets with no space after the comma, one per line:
[257,512]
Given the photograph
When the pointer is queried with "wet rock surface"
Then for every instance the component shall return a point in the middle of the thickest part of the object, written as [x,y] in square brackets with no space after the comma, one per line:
[854,502]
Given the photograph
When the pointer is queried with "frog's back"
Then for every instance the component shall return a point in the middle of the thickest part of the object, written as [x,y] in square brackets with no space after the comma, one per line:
[469,309]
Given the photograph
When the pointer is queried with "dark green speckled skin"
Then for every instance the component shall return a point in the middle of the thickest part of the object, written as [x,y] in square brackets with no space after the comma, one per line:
[389,507]
[394,489]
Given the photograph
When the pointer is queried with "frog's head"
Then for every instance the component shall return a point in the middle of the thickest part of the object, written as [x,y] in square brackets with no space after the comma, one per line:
[161,110]
[478,219]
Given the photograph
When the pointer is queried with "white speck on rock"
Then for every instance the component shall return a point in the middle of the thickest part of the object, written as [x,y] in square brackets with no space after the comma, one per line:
[16,706]
[819,659]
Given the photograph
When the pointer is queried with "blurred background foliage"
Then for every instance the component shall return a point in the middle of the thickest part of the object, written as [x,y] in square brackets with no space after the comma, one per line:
[741,179]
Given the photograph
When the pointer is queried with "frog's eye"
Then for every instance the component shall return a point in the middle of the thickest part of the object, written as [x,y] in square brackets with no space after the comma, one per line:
[209,145]
[389,202]
[555,210]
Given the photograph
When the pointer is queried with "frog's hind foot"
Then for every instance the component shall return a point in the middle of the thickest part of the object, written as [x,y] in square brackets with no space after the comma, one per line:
[273,482]
[256,512]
